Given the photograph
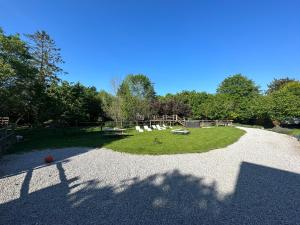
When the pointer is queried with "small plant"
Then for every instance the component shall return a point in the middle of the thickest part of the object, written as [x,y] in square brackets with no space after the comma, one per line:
[49,159]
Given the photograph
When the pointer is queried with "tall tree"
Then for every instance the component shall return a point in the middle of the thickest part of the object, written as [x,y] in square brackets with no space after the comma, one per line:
[112,104]
[241,90]
[46,57]
[137,93]
[16,78]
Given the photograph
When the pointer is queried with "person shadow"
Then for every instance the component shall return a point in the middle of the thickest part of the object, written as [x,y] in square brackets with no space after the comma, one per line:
[262,195]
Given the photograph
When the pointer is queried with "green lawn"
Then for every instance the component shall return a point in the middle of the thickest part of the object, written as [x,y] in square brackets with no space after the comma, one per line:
[289,131]
[295,132]
[155,142]
[164,142]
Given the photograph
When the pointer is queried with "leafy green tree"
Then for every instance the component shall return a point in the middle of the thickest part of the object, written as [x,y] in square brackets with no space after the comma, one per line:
[241,90]
[112,104]
[29,87]
[286,102]
[16,78]
[258,110]
[137,93]
[170,105]
[219,106]
[71,103]
[276,84]
[238,86]
[194,100]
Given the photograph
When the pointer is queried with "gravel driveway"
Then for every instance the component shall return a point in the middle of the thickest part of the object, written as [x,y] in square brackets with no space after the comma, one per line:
[254,181]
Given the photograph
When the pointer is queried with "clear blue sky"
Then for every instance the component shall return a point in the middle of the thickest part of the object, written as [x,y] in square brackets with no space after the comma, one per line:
[180,45]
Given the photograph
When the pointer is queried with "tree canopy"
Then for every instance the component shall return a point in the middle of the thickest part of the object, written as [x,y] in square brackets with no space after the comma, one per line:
[277,84]
[238,86]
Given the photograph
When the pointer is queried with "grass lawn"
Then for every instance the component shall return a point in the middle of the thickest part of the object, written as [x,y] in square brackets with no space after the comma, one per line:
[164,142]
[155,142]
[295,132]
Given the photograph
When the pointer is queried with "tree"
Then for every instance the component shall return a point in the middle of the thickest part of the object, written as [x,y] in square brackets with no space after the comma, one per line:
[46,57]
[219,106]
[170,105]
[259,110]
[137,93]
[16,78]
[286,102]
[276,84]
[238,86]
[194,100]
[241,90]
[29,87]
[112,104]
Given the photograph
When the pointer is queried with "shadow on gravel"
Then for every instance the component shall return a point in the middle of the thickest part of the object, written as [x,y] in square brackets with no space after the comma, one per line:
[262,196]
[35,159]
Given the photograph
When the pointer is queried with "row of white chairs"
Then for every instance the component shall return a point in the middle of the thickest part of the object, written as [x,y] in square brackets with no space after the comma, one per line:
[154,127]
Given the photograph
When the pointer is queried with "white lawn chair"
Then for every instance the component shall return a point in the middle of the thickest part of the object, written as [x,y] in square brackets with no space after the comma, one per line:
[167,127]
[139,129]
[160,128]
[147,128]
[154,127]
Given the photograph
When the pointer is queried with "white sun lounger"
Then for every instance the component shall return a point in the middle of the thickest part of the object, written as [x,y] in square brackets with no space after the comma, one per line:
[160,128]
[139,129]
[167,126]
[154,127]
[147,128]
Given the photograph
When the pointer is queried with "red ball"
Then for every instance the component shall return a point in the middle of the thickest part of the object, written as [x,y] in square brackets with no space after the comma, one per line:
[49,159]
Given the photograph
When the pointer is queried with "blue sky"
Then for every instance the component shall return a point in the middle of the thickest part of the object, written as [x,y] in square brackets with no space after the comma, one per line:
[180,45]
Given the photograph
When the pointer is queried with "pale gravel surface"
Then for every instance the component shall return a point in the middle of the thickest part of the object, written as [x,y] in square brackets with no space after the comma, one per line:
[254,181]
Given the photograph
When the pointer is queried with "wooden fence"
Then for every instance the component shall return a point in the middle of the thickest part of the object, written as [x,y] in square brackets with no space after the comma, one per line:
[207,123]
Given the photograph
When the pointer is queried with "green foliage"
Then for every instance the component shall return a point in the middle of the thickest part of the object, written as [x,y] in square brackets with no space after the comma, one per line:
[137,93]
[16,77]
[286,102]
[45,57]
[238,86]
[171,105]
[194,100]
[29,85]
[241,91]
[73,102]
[277,84]
[219,106]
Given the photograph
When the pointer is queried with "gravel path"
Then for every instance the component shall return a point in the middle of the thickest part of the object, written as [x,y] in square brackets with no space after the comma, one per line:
[254,181]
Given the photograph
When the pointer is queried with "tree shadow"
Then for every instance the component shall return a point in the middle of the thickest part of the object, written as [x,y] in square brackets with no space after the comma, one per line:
[262,196]
[35,159]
